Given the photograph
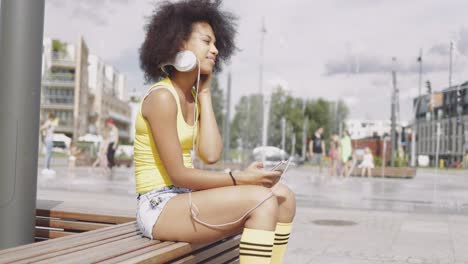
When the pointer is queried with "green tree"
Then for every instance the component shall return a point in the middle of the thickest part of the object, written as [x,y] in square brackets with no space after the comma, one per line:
[339,112]
[217,98]
[246,122]
[58,46]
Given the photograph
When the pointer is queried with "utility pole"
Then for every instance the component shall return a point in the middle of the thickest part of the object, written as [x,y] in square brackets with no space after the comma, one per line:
[304,129]
[415,112]
[261,102]
[460,123]
[247,141]
[227,135]
[293,143]
[452,135]
[450,63]
[262,40]
[22,24]
[336,119]
[393,117]
[283,133]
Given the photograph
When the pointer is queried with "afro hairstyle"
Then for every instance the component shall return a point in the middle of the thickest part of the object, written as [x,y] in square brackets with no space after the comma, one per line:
[171,24]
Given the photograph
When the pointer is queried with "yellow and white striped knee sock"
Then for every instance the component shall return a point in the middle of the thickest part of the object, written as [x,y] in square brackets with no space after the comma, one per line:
[256,246]
[282,232]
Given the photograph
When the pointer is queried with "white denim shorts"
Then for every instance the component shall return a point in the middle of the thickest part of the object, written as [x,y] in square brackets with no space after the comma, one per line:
[151,204]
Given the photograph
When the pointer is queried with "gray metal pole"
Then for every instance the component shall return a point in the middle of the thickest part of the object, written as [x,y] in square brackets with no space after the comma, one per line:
[227,123]
[22,24]
[415,113]
[261,100]
[304,137]
[393,117]
[283,133]
[293,144]
[450,64]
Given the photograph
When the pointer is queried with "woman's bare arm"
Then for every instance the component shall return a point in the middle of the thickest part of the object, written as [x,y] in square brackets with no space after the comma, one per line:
[160,109]
[209,141]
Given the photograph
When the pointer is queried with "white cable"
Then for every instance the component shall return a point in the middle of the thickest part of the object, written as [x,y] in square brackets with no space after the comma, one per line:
[195,113]
[194,211]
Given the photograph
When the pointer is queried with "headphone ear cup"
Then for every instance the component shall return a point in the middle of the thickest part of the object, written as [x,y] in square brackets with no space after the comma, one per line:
[185,61]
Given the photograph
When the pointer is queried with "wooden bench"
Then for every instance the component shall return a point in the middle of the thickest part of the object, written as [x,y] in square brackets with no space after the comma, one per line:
[389,172]
[81,237]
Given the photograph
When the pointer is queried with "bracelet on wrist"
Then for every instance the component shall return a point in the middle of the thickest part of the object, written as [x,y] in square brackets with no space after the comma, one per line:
[232,177]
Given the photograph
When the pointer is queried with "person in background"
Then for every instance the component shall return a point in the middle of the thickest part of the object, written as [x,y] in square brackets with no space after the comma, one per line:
[334,155]
[48,129]
[101,158]
[367,163]
[346,152]
[72,154]
[317,148]
[113,142]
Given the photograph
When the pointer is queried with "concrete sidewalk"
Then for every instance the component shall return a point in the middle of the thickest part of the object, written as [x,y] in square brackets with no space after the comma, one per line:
[355,221]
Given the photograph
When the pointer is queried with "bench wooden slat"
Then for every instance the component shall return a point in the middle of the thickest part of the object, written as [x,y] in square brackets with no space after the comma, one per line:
[103,252]
[74,249]
[233,261]
[85,216]
[224,257]
[68,210]
[209,251]
[49,233]
[190,259]
[68,242]
[136,253]
[226,245]
[67,224]
[86,235]
[162,255]
[64,239]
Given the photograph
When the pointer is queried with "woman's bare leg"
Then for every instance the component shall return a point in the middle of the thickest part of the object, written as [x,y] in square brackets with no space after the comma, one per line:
[286,203]
[216,206]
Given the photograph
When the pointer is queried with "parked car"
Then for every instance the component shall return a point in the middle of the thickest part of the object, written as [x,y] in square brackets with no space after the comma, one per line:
[273,155]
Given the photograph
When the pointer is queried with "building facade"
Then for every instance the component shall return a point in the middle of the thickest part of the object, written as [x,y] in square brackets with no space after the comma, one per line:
[449,111]
[78,89]
[108,98]
[360,129]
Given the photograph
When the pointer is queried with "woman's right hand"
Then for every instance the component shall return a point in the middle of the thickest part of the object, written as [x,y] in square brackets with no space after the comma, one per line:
[255,175]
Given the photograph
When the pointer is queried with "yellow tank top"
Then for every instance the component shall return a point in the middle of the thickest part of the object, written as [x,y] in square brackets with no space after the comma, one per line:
[149,170]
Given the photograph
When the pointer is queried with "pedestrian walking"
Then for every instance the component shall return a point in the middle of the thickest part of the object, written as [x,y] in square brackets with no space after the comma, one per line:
[101,155]
[317,149]
[346,155]
[112,143]
[48,129]
[334,156]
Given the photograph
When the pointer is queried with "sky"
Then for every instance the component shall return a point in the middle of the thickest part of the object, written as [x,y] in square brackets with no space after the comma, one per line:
[334,49]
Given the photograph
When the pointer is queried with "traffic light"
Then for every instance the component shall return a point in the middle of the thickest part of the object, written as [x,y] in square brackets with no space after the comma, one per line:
[428,86]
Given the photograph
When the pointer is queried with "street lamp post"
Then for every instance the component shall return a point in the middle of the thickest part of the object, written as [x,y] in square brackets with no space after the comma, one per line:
[21,32]
[415,113]
[304,129]
[393,116]
[264,101]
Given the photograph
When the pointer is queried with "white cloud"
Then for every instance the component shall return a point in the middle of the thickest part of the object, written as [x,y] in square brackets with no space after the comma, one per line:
[302,38]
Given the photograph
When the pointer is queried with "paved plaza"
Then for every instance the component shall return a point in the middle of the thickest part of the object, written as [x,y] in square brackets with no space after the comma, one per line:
[359,220]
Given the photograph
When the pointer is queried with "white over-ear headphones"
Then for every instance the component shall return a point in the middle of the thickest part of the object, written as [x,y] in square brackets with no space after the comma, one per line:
[184,61]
